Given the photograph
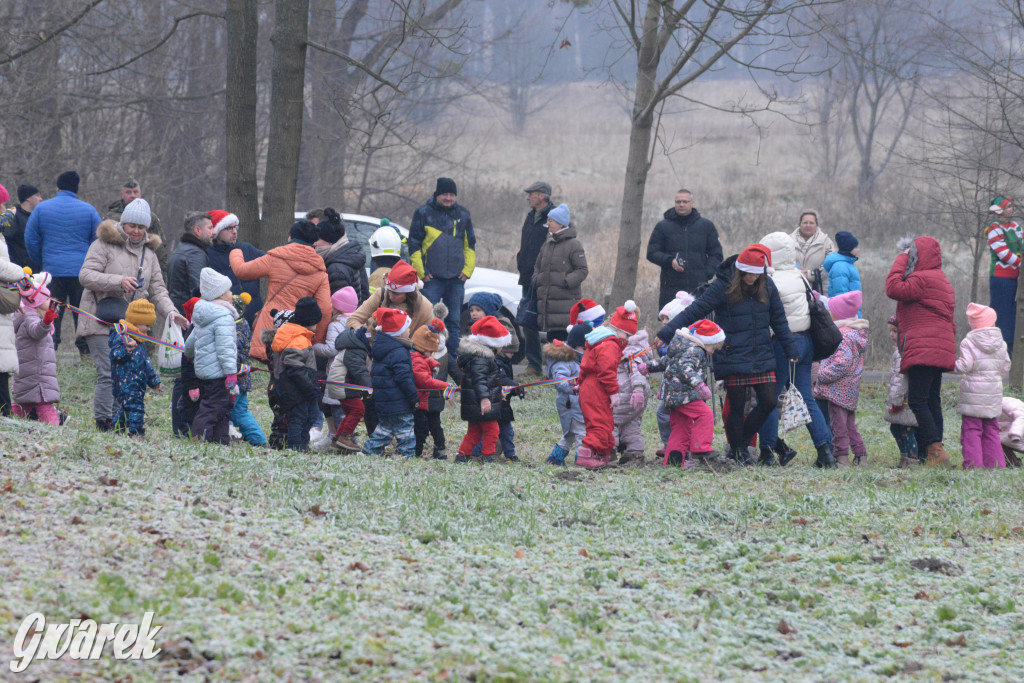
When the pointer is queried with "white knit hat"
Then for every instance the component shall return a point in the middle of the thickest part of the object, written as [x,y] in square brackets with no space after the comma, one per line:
[212,284]
[137,212]
[676,305]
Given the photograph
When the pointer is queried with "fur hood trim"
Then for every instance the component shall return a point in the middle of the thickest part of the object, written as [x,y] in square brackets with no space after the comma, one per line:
[112,233]
[559,352]
[267,335]
[475,348]
[853,323]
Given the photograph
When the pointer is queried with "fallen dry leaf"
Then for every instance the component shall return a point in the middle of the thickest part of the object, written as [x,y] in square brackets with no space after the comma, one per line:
[921,595]
[584,553]
[77,520]
[520,554]
[959,641]
[107,480]
[800,520]
[317,511]
[360,565]
[784,628]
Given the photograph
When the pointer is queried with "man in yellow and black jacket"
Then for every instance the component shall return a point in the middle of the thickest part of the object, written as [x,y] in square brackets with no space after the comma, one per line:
[442,248]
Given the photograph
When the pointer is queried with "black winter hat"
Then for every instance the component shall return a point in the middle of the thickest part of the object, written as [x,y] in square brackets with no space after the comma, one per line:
[307,312]
[445,186]
[26,191]
[578,335]
[304,232]
[68,180]
[330,229]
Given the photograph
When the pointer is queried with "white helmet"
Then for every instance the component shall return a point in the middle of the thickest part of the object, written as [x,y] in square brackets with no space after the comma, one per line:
[385,241]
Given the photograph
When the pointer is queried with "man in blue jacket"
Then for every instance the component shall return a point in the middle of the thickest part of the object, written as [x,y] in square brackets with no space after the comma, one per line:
[442,249]
[57,236]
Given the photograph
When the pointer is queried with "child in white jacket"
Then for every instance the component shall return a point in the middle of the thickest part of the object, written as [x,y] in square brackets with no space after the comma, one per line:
[982,363]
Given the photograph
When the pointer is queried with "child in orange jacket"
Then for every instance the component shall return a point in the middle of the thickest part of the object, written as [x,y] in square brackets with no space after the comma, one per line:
[599,386]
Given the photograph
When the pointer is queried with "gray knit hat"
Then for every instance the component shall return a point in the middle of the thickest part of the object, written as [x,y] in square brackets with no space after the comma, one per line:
[137,212]
[211,283]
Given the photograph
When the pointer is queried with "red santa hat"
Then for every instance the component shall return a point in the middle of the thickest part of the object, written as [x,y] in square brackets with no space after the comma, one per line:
[222,220]
[624,318]
[392,321]
[706,332]
[489,332]
[755,259]
[585,311]
[401,278]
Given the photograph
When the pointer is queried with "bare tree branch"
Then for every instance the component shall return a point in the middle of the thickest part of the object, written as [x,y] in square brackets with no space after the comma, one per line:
[160,43]
[52,34]
[356,63]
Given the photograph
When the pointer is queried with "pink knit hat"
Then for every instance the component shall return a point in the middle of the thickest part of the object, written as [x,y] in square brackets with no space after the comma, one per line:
[39,296]
[980,316]
[345,300]
[845,306]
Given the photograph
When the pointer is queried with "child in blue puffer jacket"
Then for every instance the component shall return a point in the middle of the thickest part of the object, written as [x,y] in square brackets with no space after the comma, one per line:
[130,369]
[213,350]
[562,361]
[843,275]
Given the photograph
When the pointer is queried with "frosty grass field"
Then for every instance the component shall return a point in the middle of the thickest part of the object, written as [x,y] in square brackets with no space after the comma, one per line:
[263,566]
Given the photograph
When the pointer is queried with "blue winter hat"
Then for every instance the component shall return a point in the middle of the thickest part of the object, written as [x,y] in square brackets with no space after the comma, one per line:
[487,302]
[560,214]
[846,242]
[578,335]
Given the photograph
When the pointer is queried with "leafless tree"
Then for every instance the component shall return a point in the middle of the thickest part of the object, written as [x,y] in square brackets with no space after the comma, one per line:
[675,43]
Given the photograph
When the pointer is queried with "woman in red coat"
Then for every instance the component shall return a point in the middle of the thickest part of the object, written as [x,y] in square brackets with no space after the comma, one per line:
[599,385]
[927,335]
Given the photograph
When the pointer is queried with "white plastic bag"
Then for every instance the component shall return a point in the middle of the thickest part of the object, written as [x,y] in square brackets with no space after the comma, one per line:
[169,360]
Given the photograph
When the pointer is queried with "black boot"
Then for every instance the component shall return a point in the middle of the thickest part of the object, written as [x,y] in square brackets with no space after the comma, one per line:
[825,458]
[104,424]
[675,459]
[767,458]
[785,453]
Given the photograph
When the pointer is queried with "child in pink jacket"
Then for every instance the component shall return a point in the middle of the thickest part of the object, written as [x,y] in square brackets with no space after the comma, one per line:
[982,363]
[839,378]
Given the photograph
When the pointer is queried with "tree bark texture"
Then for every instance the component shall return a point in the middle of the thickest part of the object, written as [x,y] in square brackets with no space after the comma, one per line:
[638,159]
[240,111]
[287,80]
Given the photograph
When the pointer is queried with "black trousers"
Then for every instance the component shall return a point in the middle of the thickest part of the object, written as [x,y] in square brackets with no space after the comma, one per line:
[426,422]
[66,289]
[739,430]
[211,421]
[923,396]
[5,394]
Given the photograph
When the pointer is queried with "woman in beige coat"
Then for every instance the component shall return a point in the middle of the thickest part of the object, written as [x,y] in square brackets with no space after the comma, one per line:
[9,272]
[812,246]
[111,269]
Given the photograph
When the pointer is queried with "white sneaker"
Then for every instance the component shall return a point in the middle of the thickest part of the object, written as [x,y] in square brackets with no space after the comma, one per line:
[315,434]
[233,431]
[325,442]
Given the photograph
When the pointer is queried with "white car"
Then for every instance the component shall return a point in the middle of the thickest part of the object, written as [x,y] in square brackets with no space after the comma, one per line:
[504,284]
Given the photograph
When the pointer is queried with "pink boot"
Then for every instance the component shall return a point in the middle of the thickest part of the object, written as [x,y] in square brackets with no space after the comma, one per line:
[585,458]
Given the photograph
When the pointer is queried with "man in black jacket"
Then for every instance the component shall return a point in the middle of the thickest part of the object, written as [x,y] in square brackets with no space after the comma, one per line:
[28,197]
[686,247]
[535,232]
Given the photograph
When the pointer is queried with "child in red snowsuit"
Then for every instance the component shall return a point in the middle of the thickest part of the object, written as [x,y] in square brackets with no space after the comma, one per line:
[599,387]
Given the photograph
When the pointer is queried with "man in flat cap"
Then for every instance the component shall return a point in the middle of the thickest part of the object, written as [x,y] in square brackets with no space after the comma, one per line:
[535,232]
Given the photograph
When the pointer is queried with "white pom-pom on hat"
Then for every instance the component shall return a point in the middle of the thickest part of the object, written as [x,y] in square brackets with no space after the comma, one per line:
[630,305]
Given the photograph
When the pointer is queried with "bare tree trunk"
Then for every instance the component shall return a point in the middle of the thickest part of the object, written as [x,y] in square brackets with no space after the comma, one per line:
[1017,363]
[240,107]
[287,80]
[637,161]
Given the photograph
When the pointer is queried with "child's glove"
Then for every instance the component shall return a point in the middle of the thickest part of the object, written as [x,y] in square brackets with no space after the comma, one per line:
[641,367]
[703,391]
[614,398]
[636,400]
[49,316]
[485,406]
[231,381]
[193,395]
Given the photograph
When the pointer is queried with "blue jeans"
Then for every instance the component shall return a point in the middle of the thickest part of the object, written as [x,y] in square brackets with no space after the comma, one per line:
[451,291]
[1002,295]
[506,436]
[818,427]
[245,422]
